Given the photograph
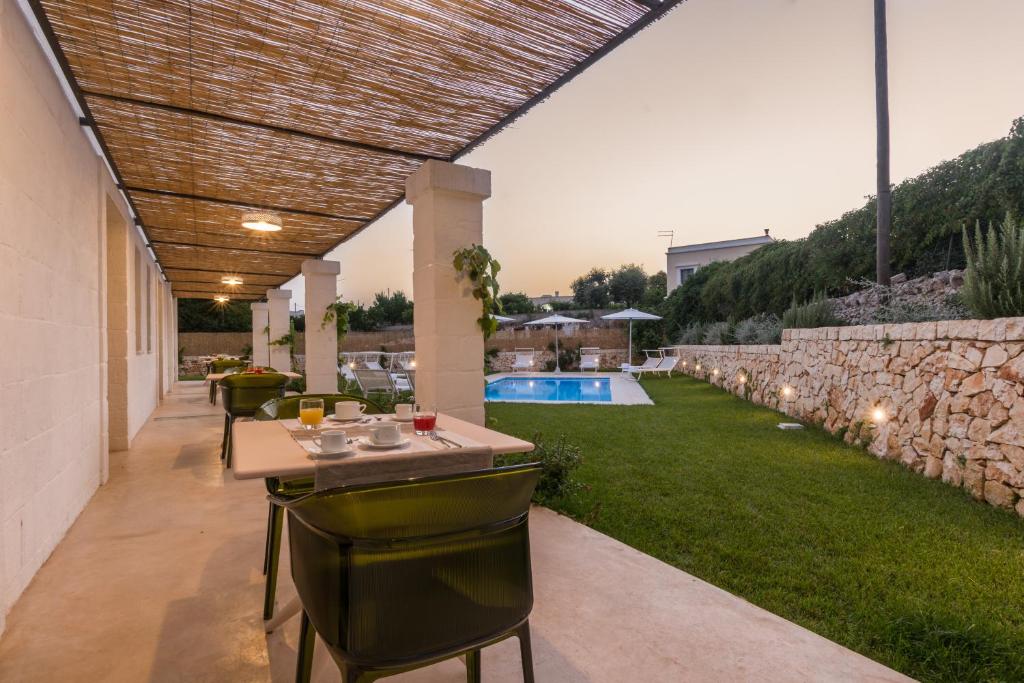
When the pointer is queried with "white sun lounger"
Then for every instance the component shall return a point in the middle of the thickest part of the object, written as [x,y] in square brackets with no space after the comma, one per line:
[654,358]
[666,365]
[590,359]
[524,360]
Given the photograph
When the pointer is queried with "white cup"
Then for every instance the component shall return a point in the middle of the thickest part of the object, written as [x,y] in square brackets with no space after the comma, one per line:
[403,411]
[385,433]
[333,441]
[348,410]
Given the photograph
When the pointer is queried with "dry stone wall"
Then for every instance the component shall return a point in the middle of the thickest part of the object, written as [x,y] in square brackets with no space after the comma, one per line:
[944,398]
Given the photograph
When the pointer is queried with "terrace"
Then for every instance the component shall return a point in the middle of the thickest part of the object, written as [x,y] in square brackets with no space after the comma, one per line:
[156,151]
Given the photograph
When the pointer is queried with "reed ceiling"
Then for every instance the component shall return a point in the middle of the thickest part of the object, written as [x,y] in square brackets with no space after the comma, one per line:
[317,110]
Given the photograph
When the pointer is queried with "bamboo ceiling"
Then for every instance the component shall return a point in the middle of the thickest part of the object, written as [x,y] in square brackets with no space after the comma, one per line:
[316,110]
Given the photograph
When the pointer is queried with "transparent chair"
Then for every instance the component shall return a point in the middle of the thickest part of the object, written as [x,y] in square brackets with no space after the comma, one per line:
[403,574]
[242,395]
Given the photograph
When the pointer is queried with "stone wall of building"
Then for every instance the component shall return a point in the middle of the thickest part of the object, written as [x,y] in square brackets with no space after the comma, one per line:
[944,398]
[502,362]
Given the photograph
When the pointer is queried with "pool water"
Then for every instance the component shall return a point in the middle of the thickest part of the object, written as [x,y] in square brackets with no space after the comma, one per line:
[550,389]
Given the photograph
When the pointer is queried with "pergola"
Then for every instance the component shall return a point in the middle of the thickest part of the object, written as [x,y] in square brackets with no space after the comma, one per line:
[316,112]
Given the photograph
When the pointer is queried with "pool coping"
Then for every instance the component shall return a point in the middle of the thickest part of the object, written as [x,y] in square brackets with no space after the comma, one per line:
[625,390]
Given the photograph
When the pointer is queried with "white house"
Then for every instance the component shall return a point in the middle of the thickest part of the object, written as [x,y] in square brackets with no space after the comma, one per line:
[684,260]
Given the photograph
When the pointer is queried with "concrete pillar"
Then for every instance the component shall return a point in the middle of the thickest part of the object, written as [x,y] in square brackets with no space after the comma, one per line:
[447,202]
[277,313]
[321,340]
[260,350]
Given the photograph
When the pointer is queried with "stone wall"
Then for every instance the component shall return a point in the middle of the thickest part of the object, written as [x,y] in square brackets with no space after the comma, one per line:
[944,398]
[502,362]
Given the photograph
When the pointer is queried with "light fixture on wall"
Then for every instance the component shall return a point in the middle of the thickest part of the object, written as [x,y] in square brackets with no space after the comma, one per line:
[232,280]
[879,415]
[221,299]
[743,379]
[787,391]
[262,221]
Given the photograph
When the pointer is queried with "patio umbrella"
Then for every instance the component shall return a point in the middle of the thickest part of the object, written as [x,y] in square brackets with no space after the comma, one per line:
[556,321]
[503,318]
[630,314]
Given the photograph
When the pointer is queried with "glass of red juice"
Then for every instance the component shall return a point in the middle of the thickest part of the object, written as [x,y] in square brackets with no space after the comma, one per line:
[424,418]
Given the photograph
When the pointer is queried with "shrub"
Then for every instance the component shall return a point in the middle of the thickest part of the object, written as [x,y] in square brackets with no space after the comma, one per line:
[692,334]
[815,313]
[559,459]
[765,328]
[994,281]
[919,309]
[718,333]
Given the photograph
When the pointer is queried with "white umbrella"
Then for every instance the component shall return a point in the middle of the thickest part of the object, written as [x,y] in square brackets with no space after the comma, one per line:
[555,321]
[503,318]
[630,314]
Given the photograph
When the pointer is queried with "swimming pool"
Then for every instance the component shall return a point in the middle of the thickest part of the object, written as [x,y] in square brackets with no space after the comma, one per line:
[551,389]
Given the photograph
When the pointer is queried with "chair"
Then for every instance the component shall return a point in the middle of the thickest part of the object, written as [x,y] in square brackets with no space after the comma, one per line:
[523,360]
[654,357]
[226,371]
[590,359]
[242,395]
[221,364]
[403,574]
[374,381]
[665,365]
[287,408]
[410,376]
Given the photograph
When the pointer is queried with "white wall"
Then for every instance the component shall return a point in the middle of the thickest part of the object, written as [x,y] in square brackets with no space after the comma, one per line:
[53,371]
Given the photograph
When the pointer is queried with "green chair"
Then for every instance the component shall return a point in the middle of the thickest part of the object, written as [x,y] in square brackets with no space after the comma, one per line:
[219,365]
[242,394]
[287,408]
[403,574]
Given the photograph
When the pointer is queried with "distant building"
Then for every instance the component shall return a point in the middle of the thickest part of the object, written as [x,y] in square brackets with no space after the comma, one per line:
[683,261]
[548,299]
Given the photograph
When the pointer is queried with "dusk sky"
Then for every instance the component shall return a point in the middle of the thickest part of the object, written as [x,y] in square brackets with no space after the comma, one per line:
[726,117]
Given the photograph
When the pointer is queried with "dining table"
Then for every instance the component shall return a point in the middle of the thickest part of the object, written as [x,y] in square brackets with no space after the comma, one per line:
[283,450]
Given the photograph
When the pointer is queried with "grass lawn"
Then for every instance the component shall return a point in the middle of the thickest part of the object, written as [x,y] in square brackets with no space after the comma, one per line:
[907,571]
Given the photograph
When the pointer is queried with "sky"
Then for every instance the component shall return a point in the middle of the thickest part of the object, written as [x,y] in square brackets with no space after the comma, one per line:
[724,118]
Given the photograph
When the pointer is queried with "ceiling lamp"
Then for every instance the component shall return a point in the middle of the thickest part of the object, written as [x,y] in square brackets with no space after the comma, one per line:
[231,280]
[221,299]
[263,221]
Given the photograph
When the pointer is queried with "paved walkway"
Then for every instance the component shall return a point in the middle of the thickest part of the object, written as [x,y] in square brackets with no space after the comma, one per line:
[160,579]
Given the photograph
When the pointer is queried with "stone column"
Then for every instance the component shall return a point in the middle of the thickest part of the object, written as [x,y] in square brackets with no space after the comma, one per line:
[277,303]
[260,350]
[447,202]
[321,340]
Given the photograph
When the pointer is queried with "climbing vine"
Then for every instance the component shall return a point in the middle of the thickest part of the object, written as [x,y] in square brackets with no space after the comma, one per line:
[337,312]
[476,263]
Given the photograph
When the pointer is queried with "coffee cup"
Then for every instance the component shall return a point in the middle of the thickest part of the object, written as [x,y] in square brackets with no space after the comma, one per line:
[403,411]
[348,410]
[385,433]
[333,441]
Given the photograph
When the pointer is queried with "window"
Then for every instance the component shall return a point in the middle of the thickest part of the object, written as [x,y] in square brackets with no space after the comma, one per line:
[685,272]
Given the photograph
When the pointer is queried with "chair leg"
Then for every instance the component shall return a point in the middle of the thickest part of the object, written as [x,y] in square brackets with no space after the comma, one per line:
[213,392]
[273,559]
[526,651]
[227,456]
[304,651]
[224,438]
[473,666]
[266,547]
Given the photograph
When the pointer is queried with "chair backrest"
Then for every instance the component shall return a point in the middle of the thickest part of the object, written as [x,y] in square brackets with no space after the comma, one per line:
[374,565]
[373,380]
[651,362]
[590,354]
[221,364]
[411,375]
[243,394]
[524,356]
[287,408]
[668,363]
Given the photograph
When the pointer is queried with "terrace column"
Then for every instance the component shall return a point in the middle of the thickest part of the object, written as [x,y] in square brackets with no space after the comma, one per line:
[447,203]
[277,302]
[260,350]
[321,340]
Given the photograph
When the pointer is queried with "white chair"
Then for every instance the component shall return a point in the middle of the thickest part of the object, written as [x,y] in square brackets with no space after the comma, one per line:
[524,360]
[654,358]
[590,358]
[665,365]
[374,381]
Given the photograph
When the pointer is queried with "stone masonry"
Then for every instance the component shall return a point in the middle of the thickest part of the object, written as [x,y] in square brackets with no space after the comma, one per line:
[944,398]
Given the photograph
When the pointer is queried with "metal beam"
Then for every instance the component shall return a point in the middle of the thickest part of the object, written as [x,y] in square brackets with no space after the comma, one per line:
[235,202]
[303,254]
[366,147]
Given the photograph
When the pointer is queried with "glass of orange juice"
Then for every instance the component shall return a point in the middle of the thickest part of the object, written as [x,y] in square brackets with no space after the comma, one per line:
[311,412]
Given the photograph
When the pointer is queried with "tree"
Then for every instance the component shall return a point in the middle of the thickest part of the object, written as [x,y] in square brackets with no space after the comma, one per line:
[628,284]
[591,290]
[203,315]
[390,309]
[884,207]
[656,291]
[515,303]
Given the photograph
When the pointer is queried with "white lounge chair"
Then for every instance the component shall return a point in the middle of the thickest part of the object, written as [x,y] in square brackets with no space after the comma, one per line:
[665,365]
[590,358]
[524,360]
[374,381]
[654,358]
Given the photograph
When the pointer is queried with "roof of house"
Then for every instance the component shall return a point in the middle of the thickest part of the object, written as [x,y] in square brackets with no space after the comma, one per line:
[724,244]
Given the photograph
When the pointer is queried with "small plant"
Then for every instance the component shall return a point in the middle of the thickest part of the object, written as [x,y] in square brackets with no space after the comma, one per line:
[994,280]
[887,341]
[337,312]
[815,313]
[288,340]
[692,334]
[765,328]
[567,357]
[718,333]
[477,264]
[559,459]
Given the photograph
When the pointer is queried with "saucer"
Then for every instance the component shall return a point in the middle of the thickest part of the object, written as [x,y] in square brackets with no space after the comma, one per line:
[402,419]
[331,455]
[385,446]
[335,418]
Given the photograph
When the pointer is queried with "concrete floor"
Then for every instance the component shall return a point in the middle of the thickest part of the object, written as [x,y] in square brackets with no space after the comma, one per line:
[160,579]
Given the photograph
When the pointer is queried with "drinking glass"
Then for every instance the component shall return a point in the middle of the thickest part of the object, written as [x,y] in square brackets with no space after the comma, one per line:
[311,412]
[424,418]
